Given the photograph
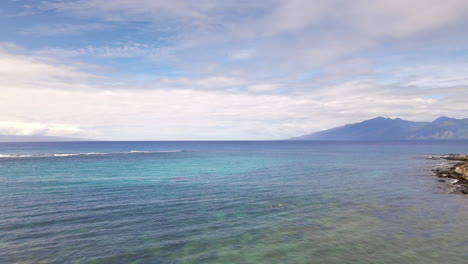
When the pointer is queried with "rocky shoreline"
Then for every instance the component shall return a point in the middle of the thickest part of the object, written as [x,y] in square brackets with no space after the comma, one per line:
[454,172]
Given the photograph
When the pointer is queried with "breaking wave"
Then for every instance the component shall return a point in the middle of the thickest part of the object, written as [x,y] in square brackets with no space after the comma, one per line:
[58,155]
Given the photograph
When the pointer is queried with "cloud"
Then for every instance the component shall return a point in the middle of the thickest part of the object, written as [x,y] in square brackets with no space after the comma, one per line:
[61,29]
[17,70]
[117,50]
[247,69]
[241,55]
[286,37]
[259,88]
[434,75]
[178,15]
[200,114]
[406,18]
[22,128]
[196,108]
[397,18]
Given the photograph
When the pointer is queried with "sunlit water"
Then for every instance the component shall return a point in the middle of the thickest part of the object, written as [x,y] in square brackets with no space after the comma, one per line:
[210,202]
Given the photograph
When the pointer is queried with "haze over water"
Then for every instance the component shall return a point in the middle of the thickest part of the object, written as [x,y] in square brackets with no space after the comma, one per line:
[210,202]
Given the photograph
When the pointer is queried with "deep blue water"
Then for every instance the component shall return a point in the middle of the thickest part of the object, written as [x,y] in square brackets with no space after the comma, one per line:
[210,202]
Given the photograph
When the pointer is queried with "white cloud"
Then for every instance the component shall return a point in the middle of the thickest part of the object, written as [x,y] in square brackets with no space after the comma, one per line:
[118,50]
[255,70]
[434,75]
[289,36]
[181,14]
[194,109]
[297,15]
[263,87]
[61,29]
[22,128]
[18,70]
[400,18]
[365,18]
[241,55]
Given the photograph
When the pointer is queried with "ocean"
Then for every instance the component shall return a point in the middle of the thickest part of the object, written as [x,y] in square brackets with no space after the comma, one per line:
[229,202]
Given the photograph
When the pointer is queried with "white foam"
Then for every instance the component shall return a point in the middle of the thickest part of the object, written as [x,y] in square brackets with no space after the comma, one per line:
[153,151]
[58,155]
[15,156]
[65,155]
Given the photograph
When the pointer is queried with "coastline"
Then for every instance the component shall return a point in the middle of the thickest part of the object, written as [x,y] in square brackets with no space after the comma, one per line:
[454,173]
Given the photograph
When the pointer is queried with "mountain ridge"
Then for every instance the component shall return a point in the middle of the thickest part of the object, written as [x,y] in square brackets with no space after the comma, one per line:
[381,128]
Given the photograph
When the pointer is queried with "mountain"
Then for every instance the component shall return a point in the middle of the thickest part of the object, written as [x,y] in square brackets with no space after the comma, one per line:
[14,138]
[381,128]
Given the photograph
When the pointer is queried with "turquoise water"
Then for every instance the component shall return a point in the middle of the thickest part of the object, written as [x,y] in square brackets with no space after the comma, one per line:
[210,202]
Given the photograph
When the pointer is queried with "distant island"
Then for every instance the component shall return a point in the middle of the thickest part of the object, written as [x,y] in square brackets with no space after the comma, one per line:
[380,128]
[38,138]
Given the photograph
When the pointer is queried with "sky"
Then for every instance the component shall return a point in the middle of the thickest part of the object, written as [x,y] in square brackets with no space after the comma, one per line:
[227,70]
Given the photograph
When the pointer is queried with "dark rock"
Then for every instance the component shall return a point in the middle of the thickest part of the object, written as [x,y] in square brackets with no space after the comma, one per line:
[458,172]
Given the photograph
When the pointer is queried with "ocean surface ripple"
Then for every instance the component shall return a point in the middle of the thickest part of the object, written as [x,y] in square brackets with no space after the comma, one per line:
[212,202]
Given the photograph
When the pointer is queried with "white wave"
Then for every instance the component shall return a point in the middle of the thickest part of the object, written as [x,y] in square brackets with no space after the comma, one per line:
[65,155]
[154,151]
[15,156]
[58,155]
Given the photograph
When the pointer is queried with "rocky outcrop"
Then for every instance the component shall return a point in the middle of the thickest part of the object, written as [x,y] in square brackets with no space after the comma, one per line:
[455,157]
[456,172]
[462,169]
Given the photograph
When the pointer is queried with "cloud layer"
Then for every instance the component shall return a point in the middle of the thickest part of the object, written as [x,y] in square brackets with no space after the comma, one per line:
[237,70]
